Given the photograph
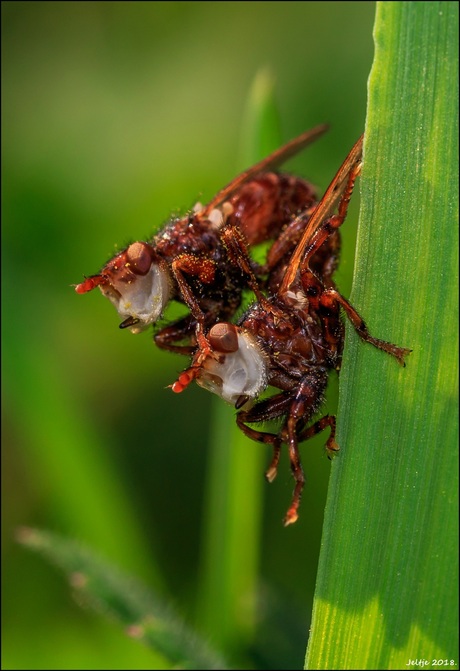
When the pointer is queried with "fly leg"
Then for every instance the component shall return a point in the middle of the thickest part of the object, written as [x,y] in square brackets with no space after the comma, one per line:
[307,399]
[204,269]
[236,245]
[270,408]
[327,421]
[182,329]
[331,297]
[237,248]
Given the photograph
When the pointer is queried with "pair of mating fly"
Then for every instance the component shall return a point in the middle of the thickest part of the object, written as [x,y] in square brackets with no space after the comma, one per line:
[290,337]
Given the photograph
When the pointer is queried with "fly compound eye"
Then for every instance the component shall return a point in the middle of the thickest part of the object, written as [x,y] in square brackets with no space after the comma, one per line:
[139,258]
[142,300]
[241,372]
[223,337]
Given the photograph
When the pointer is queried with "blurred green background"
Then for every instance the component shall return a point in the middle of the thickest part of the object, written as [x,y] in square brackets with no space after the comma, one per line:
[114,116]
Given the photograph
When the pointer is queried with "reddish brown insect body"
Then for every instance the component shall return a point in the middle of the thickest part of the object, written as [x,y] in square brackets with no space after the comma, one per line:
[290,339]
[189,259]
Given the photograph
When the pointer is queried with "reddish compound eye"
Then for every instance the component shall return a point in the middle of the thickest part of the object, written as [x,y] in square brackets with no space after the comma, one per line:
[139,258]
[223,337]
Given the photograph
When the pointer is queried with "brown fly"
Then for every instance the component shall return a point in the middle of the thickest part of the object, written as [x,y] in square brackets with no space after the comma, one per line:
[289,339]
[188,260]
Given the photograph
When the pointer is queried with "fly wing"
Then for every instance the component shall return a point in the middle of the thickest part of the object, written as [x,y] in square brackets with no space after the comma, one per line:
[323,210]
[275,159]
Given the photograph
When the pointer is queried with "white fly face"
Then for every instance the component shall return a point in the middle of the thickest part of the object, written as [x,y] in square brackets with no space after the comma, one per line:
[143,300]
[135,283]
[240,372]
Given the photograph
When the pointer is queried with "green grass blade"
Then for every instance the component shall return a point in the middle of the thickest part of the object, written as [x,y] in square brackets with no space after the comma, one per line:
[261,132]
[387,581]
[233,502]
[144,617]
